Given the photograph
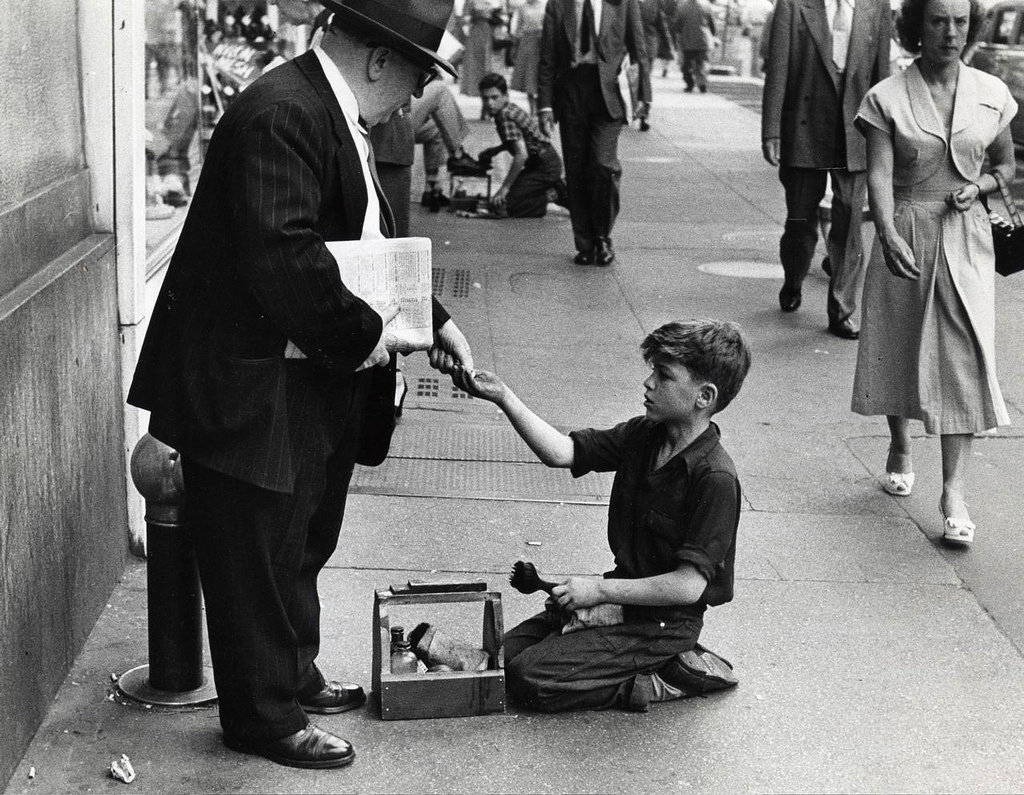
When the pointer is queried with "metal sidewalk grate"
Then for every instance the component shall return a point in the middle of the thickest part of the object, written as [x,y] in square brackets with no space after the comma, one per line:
[461,283]
[482,460]
[430,387]
[488,480]
[437,276]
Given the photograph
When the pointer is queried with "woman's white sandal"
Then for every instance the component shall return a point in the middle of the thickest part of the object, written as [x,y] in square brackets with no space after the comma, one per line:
[958,532]
[898,484]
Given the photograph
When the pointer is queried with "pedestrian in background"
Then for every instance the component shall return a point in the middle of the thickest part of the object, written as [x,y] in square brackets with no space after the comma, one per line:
[437,123]
[928,346]
[694,32]
[479,17]
[655,17]
[527,26]
[535,177]
[582,49]
[825,55]
[263,370]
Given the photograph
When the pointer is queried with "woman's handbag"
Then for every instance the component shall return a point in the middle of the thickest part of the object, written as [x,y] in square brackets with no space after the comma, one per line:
[1007,235]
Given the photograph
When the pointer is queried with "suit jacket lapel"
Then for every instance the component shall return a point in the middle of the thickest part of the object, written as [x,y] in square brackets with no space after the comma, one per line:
[813,12]
[860,36]
[353,193]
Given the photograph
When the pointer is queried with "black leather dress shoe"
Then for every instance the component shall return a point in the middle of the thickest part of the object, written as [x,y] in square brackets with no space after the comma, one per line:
[584,258]
[335,697]
[605,254]
[844,329]
[311,748]
[789,299]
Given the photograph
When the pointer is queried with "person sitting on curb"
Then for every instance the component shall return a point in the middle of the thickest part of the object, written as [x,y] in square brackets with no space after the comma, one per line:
[535,177]
[439,125]
[672,521]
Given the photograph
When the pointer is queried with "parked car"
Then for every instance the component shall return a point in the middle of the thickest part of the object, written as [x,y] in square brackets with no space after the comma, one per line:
[999,50]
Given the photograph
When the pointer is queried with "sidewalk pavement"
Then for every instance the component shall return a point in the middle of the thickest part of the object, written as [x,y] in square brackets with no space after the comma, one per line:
[870,658]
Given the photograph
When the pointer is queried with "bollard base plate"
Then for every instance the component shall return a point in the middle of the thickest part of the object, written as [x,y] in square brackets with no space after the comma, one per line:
[135,685]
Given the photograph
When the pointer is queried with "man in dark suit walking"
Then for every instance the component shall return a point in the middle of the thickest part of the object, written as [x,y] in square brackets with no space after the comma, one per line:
[260,366]
[583,45]
[824,56]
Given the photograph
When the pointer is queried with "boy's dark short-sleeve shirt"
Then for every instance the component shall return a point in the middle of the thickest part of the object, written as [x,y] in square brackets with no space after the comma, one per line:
[687,511]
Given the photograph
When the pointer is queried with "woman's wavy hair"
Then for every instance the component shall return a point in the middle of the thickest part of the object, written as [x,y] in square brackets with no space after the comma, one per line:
[910,22]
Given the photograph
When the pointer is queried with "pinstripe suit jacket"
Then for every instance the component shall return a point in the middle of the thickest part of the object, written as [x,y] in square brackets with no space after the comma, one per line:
[251,271]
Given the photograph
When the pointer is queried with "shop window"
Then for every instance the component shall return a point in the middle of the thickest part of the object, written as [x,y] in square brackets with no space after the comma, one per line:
[200,55]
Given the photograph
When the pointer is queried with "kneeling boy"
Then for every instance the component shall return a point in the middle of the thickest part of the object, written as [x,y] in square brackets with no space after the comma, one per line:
[672,519]
[535,176]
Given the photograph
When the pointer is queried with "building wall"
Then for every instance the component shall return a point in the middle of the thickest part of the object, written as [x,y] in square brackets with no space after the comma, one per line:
[62,484]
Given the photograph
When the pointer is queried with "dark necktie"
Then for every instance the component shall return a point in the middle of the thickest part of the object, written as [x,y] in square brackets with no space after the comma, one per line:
[586,27]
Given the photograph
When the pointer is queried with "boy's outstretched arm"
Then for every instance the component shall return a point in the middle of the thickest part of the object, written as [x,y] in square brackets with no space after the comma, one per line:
[684,586]
[551,446]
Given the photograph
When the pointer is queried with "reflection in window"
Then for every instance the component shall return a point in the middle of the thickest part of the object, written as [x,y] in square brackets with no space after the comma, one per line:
[200,54]
[172,106]
[1004,26]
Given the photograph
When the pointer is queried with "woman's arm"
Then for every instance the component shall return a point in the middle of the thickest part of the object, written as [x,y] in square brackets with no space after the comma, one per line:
[899,257]
[1000,158]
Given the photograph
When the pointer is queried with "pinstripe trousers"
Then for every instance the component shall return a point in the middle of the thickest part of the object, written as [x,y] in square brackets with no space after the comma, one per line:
[260,553]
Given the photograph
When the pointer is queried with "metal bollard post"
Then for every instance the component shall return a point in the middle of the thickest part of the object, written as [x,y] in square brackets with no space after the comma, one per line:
[175,675]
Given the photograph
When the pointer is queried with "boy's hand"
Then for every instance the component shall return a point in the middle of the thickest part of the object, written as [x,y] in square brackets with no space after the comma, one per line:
[577,592]
[480,384]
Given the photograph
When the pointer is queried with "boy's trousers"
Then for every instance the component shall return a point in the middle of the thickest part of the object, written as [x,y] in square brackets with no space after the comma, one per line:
[591,668]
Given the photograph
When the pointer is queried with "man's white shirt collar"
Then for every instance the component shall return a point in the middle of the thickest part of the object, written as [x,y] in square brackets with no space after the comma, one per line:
[350,107]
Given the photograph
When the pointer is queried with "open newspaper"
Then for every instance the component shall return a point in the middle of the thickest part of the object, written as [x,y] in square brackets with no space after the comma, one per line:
[387,272]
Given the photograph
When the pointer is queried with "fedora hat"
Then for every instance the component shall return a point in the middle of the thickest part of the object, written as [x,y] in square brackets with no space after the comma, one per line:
[413,27]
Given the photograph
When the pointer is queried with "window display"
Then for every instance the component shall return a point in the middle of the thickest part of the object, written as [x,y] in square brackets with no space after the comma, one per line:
[200,54]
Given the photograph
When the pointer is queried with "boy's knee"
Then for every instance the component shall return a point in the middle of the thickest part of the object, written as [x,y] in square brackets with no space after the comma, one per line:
[525,687]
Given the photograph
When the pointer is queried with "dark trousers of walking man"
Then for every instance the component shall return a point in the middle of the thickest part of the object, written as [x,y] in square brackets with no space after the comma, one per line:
[590,142]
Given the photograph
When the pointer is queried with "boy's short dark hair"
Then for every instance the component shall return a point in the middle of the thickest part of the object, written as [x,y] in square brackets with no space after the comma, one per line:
[493,80]
[713,350]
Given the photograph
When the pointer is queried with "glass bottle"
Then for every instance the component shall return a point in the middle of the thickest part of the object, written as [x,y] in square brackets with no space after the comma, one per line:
[403,661]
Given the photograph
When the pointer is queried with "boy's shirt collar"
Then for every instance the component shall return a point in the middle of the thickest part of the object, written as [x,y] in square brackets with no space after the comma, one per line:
[695,450]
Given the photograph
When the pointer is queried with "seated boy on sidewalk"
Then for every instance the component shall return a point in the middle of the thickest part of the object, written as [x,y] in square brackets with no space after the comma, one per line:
[535,176]
[672,519]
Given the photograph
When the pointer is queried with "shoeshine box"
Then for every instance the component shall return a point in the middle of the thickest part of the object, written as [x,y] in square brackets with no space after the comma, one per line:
[447,694]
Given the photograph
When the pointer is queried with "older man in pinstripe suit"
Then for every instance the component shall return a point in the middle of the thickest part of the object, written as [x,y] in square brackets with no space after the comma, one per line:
[259,364]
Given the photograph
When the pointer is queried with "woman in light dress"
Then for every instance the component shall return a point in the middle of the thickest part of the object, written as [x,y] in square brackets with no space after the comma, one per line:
[927,345]
[527,25]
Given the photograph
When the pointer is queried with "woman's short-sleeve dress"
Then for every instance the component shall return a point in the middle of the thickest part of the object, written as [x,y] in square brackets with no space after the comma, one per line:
[927,347]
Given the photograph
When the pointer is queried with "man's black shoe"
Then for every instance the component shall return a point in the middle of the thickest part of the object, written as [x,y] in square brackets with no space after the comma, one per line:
[844,329]
[584,258]
[311,748]
[465,166]
[434,198]
[335,697]
[605,254]
[644,126]
[789,299]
